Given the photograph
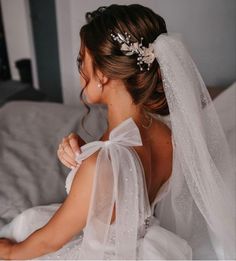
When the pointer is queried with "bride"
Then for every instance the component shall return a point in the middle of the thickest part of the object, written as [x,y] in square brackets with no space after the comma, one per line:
[160,183]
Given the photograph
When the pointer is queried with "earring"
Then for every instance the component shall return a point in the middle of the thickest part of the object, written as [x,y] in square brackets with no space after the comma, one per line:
[99,85]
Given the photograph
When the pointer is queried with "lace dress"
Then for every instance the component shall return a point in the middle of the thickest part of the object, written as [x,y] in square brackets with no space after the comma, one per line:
[153,241]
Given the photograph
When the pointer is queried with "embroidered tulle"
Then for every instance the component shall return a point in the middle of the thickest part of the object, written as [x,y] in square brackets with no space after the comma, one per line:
[133,198]
[149,209]
[118,179]
[201,203]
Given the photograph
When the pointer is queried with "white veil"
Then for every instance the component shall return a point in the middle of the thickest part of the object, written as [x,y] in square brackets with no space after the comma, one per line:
[200,206]
[200,203]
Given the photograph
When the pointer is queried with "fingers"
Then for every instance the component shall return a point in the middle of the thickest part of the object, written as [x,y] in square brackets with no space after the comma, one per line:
[74,142]
[68,157]
[60,155]
[68,149]
[65,159]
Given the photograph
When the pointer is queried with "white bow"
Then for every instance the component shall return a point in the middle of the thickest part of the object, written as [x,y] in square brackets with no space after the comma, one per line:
[116,182]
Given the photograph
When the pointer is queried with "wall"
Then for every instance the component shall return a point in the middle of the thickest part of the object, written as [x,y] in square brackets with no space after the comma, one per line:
[207,26]
[44,28]
[18,35]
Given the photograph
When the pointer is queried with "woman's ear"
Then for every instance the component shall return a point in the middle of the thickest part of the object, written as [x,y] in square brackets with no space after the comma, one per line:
[102,77]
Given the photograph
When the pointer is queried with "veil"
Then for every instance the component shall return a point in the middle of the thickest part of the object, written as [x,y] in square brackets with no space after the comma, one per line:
[200,203]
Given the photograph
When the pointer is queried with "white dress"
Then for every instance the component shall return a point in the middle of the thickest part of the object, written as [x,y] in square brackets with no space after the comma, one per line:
[154,241]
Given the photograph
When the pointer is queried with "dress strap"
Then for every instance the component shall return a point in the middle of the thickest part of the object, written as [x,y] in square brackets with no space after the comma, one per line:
[117,182]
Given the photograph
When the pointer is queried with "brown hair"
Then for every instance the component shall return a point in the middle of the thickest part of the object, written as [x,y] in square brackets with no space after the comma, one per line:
[145,87]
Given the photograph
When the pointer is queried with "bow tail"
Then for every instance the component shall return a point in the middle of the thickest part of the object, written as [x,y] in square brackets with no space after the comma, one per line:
[100,210]
[116,182]
[127,203]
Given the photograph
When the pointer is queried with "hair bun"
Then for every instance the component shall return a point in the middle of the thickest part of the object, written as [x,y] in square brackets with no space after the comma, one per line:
[91,15]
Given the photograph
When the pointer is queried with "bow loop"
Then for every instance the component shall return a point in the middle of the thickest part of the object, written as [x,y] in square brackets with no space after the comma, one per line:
[125,134]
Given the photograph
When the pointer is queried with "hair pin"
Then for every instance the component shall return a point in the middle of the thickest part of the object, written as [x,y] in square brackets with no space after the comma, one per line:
[145,54]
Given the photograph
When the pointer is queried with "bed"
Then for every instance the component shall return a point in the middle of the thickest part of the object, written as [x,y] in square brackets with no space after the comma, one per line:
[30,132]
[31,174]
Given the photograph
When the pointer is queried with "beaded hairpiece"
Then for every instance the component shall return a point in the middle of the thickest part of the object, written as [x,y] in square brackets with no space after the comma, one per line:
[145,55]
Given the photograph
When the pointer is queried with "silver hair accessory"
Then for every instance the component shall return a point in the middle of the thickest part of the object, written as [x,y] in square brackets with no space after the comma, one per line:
[145,54]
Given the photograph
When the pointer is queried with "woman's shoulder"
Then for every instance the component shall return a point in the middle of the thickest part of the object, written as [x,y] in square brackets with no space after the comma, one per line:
[161,127]
[161,151]
[160,136]
[162,147]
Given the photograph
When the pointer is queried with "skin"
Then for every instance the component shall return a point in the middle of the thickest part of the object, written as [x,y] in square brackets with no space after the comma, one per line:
[155,154]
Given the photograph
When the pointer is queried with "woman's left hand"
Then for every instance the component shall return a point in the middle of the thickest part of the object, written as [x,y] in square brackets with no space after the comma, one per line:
[5,248]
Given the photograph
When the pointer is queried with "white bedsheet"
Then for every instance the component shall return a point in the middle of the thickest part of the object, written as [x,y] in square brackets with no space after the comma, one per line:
[30,173]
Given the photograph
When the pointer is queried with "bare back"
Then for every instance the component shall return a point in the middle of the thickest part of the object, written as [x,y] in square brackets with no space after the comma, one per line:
[155,155]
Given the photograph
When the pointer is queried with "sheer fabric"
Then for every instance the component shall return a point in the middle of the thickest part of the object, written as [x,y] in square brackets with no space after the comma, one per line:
[114,183]
[136,233]
[201,203]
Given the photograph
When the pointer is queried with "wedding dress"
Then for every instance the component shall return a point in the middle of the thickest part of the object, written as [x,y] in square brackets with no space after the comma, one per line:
[154,242]
[195,210]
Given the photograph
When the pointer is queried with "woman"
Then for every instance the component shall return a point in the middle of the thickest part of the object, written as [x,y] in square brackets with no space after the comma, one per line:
[129,63]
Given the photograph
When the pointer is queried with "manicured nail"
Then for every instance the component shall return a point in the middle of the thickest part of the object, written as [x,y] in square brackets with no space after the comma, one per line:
[77,153]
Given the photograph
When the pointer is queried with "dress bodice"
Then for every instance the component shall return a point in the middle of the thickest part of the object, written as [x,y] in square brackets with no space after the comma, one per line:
[160,194]
[90,148]
[135,234]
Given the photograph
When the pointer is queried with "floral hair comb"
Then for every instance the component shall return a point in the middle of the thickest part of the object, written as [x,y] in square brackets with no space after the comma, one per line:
[145,55]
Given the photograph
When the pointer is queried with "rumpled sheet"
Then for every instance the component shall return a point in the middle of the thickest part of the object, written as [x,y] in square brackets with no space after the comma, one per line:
[30,172]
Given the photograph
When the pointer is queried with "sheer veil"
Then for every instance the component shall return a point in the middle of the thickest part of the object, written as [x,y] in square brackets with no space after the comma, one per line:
[200,203]
[200,206]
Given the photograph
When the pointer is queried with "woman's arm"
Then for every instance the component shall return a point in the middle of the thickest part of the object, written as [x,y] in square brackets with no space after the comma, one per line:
[68,220]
